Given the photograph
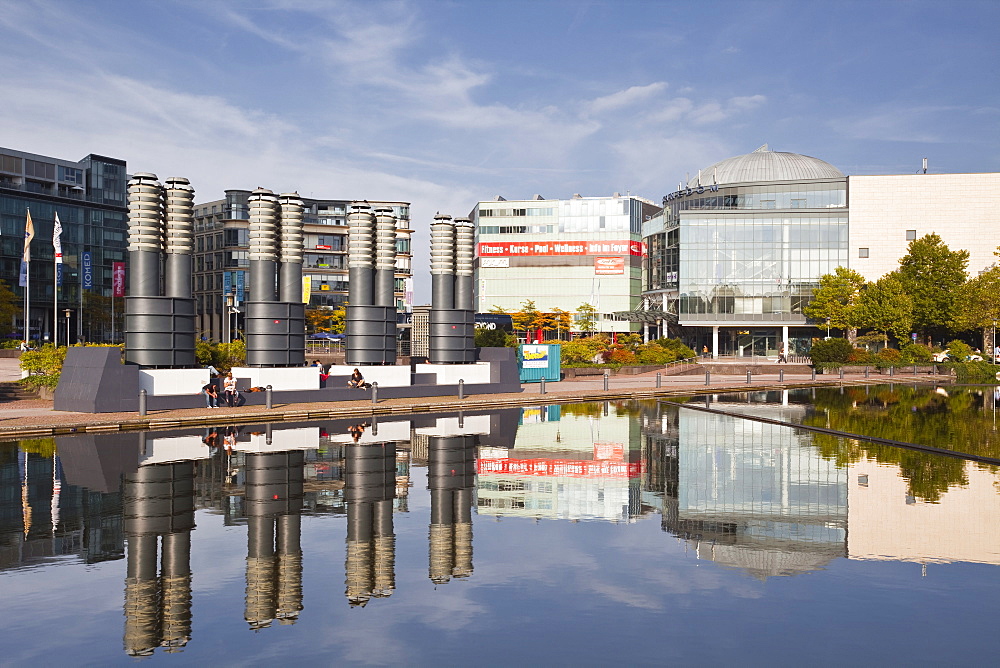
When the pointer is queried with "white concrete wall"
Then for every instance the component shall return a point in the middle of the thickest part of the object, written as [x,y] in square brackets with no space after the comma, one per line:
[450,374]
[161,382]
[280,378]
[385,376]
[963,209]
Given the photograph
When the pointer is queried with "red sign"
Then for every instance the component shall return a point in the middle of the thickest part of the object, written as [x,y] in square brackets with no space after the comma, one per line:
[538,248]
[567,468]
[609,265]
[324,247]
[117,279]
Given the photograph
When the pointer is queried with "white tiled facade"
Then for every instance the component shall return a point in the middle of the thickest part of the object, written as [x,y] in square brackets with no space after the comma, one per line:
[963,209]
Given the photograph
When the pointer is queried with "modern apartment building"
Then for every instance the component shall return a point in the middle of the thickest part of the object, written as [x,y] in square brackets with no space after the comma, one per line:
[222,258]
[562,254]
[89,195]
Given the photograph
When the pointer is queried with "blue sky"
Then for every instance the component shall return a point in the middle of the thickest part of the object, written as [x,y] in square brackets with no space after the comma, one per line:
[444,103]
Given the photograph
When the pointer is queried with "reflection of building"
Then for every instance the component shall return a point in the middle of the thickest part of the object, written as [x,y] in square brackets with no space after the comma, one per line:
[222,245]
[159,517]
[48,510]
[887,524]
[564,466]
[751,495]
[274,554]
[451,478]
[561,253]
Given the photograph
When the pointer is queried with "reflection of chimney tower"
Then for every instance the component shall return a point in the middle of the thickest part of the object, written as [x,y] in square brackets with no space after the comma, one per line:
[274,492]
[451,471]
[159,502]
[370,487]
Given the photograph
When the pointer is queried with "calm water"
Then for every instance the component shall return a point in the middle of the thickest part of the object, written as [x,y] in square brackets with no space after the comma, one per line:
[585,534]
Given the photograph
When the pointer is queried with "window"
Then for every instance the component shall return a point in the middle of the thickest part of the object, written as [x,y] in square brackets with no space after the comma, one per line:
[862,252]
[911,235]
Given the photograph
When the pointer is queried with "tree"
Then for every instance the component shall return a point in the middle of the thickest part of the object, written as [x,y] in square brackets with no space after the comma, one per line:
[931,274]
[586,317]
[978,305]
[563,321]
[835,300]
[886,307]
[326,319]
[526,318]
[9,309]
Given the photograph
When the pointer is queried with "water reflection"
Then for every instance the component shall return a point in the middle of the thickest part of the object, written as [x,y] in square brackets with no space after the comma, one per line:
[762,500]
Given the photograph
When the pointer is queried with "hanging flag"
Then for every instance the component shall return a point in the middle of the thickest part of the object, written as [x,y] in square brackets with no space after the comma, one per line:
[57,246]
[117,279]
[29,234]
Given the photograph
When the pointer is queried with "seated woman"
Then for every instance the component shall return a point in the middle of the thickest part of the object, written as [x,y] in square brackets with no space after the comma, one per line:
[356,380]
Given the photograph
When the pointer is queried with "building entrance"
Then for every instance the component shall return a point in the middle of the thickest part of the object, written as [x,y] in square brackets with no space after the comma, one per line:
[752,342]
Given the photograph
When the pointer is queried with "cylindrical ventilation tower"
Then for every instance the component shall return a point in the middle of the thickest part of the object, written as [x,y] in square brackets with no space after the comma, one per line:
[275,327]
[451,323]
[451,471]
[371,326]
[159,327]
[385,257]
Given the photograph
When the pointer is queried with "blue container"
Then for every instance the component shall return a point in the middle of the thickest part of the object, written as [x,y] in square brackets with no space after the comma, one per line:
[538,361]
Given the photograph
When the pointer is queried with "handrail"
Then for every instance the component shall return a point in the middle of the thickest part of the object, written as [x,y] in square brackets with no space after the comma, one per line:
[686,360]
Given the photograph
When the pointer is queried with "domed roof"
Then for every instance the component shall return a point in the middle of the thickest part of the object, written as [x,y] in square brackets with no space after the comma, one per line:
[766,165]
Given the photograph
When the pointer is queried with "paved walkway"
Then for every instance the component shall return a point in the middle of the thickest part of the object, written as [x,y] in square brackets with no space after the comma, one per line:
[36,417]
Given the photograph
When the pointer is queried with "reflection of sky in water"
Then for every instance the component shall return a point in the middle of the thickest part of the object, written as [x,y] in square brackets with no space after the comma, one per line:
[648,535]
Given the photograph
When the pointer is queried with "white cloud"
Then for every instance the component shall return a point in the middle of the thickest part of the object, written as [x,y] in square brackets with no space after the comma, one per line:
[626,98]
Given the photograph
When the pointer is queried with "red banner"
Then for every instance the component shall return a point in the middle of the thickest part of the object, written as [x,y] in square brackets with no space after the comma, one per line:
[569,468]
[117,279]
[539,248]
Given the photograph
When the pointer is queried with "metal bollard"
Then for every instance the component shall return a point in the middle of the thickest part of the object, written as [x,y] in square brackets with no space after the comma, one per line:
[659,380]
[914,368]
[542,386]
[781,375]
[374,393]
[892,371]
[842,373]
[267,398]
[142,402]
[748,376]
[607,376]
[461,388]
[708,377]
[866,372]
[814,374]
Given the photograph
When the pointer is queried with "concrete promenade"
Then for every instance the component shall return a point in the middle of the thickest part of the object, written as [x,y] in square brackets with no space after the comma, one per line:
[34,418]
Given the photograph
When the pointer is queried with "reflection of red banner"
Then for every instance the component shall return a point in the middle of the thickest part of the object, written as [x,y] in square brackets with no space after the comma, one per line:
[530,249]
[609,265]
[609,450]
[117,279]
[568,468]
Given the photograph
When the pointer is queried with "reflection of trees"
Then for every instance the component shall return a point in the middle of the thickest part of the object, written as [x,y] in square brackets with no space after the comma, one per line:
[951,421]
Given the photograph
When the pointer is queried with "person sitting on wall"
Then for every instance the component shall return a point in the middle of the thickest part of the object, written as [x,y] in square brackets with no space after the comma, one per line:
[211,395]
[356,380]
[230,393]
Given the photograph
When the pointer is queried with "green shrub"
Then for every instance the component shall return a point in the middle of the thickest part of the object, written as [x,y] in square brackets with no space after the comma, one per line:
[831,350]
[490,338]
[859,356]
[621,356]
[681,351]
[583,350]
[889,355]
[974,372]
[959,350]
[653,353]
[914,352]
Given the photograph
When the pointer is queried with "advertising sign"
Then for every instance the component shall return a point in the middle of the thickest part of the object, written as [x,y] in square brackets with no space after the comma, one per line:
[117,279]
[494,262]
[543,248]
[227,283]
[307,287]
[86,262]
[535,357]
[605,266]
[241,284]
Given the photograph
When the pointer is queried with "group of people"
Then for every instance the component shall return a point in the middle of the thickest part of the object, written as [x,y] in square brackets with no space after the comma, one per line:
[229,394]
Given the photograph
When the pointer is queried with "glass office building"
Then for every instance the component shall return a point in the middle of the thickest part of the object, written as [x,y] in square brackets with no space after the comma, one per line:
[90,197]
[737,253]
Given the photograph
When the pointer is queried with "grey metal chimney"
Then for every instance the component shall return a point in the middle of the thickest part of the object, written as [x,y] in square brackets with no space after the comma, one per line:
[371,325]
[291,248]
[451,324]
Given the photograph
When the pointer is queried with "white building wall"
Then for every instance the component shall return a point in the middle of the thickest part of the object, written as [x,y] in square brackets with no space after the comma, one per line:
[963,209]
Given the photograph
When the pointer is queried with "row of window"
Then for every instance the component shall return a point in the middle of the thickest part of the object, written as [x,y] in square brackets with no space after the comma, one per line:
[486,213]
[517,229]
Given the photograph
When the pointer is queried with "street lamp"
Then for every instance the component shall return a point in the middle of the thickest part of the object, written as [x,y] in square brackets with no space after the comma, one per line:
[67,312]
[227,323]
